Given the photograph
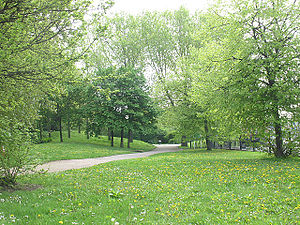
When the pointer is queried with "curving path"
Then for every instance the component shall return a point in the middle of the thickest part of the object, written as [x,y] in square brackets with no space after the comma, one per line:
[62,165]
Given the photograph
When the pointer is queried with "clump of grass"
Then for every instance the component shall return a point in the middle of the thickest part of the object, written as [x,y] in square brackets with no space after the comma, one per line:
[189,187]
[79,147]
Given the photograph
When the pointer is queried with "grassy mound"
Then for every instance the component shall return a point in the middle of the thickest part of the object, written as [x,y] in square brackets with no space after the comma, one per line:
[189,187]
[79,147]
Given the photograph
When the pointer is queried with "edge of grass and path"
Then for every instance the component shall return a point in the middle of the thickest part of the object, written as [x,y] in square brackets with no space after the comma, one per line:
[186,187]
[79,147]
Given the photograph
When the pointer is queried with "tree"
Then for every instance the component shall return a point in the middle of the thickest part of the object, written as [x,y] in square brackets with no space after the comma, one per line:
[249,67]
[127,104]
[18,110]
[41,37]
[38,46]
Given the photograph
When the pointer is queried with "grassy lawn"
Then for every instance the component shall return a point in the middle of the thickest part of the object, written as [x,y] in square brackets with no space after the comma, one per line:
[78,147]
[190,187]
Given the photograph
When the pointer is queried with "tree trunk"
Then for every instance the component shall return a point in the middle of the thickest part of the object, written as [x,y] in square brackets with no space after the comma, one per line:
[79,126]
[190,144]
[49,128]
[122,138]
[229,145]
[278,152]
[183,141]
[128,136]
[59,121]
[49,132]
[112,138]
[108,134]
[69,129]
[60,130]
[131,136]
[87,129]
[208,143]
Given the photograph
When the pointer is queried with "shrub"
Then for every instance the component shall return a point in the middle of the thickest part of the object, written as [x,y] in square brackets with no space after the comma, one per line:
[14,153]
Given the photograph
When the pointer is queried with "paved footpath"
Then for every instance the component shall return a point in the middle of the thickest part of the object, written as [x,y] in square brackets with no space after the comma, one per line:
[62,165]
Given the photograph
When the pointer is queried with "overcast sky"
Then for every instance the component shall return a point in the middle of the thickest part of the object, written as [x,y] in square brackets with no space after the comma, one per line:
[138,6]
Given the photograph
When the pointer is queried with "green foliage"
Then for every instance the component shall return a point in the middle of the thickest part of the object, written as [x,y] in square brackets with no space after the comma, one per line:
[14,151]
[127,104]
[38,35]
[121,45]
[18,111]
[39,43]
[219,187]
[245,71]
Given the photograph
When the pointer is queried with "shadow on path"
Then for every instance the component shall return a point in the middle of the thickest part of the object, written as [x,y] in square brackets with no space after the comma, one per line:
[62,165]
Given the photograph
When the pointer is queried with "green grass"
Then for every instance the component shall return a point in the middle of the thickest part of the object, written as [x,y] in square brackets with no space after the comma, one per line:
[190,187]
[78,147]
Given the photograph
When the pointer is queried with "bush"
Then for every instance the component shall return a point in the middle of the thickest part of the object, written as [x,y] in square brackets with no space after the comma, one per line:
[14,153]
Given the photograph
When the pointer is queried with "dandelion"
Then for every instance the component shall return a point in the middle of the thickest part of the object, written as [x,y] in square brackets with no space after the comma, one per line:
[61,222]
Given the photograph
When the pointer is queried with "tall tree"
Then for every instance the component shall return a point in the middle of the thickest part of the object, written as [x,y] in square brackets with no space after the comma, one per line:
[38,44]
[248,68]
[121,45]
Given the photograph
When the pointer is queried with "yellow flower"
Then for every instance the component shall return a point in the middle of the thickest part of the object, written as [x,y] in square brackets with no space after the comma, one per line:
[61,222]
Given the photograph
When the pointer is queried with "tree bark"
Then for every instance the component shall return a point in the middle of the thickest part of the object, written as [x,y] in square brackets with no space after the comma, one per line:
[69,129]
[79,126]
[60,130]
[112,138]
[108,134]
[128,136]
[60,122]
[278,152]
[229,145]
[208,143]
[183,141]
[49,128]
[131,136]
[87,129]
[122,138]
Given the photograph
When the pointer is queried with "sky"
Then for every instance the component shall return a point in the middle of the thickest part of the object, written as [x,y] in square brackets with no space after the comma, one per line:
[138,6]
